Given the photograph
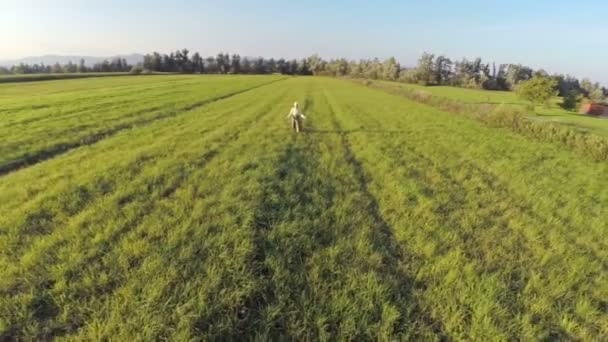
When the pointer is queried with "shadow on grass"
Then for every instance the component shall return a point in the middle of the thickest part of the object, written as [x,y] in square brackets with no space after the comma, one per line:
[296,227]
[279,260]
[52,151]
[351,131]
[385,243]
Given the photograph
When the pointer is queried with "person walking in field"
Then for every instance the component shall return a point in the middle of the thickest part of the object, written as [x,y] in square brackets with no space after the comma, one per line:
[296,117]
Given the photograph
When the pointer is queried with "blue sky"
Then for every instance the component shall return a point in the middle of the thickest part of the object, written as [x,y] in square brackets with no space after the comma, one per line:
[560,36]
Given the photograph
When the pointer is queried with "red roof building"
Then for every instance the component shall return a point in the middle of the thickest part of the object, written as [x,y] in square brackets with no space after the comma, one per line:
[594,109]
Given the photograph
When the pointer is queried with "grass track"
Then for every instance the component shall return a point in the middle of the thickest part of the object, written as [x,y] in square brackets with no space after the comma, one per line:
[32,134]
[385,219]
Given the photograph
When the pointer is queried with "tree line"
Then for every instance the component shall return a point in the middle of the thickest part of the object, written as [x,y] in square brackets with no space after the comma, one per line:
[180,61]
[441,70]
[430,70]
[223,63]
[114,65]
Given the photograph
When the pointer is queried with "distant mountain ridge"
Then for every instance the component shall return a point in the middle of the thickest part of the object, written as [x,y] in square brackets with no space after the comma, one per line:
[132,59]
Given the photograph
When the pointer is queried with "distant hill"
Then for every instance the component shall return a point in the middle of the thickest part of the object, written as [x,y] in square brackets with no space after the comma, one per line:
[52,59]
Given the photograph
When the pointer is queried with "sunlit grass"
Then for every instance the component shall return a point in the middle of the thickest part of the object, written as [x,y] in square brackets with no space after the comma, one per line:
[384,220]
[46,126]
[552,113]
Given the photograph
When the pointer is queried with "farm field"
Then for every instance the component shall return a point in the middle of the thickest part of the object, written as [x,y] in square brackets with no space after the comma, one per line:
[80,112]
[183,208]
[553,113]
[10,78]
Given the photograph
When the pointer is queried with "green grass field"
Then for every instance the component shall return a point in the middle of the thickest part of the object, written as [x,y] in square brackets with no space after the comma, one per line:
[10,78]
[82,112]
[553,113]
[196,214]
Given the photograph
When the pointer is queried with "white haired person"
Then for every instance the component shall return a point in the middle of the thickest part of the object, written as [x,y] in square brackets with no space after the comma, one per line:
[296,117]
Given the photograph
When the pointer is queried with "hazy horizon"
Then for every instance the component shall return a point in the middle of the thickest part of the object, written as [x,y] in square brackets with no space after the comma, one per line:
[558,36]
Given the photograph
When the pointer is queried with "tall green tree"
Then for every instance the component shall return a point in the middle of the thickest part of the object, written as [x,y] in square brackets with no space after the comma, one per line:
[197,63]
[235,64]
[538,90]
[442,70]
[81,66]
[425,73]
[246,66]
[57,68]
[597,95]
[317,65]
[390,69]
[516,74]
[210,65]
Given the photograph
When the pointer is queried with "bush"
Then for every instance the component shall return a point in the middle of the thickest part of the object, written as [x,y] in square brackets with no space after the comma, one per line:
[422,96]
[408,76]
[137,70]
[540,89]
[505,116]
[572,100]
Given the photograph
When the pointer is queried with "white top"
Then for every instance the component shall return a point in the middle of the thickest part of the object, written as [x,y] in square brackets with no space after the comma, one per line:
[295,113]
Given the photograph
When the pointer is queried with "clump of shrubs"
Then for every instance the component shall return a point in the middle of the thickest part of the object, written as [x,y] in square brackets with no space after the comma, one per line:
[514,118]
[504,116]
[443,103]
[137,70]
[572,100]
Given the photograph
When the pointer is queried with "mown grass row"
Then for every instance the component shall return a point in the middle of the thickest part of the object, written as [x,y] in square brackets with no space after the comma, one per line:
[329,265]
[60,101]
[501,250]
[57,94]
[47,77]
[513,118]
[85,251]
[384,220]
[41,136]
[266,239]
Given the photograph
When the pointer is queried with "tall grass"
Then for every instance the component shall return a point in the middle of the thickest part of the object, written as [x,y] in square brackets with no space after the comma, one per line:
[510,117]
[57,123]
[494,224]
[384,220]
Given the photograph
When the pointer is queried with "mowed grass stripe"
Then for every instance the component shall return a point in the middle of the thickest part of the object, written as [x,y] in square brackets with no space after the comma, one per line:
[72,190]
[38,225]
[195,280]
[414,321]
[91,88]
[38,116]
[83,124]
[384,220]
[20,153]
[544,165]
[326,263]
[91,161]
[58,105]
[72,264]
[451,210]
[13,106]
[50,112]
